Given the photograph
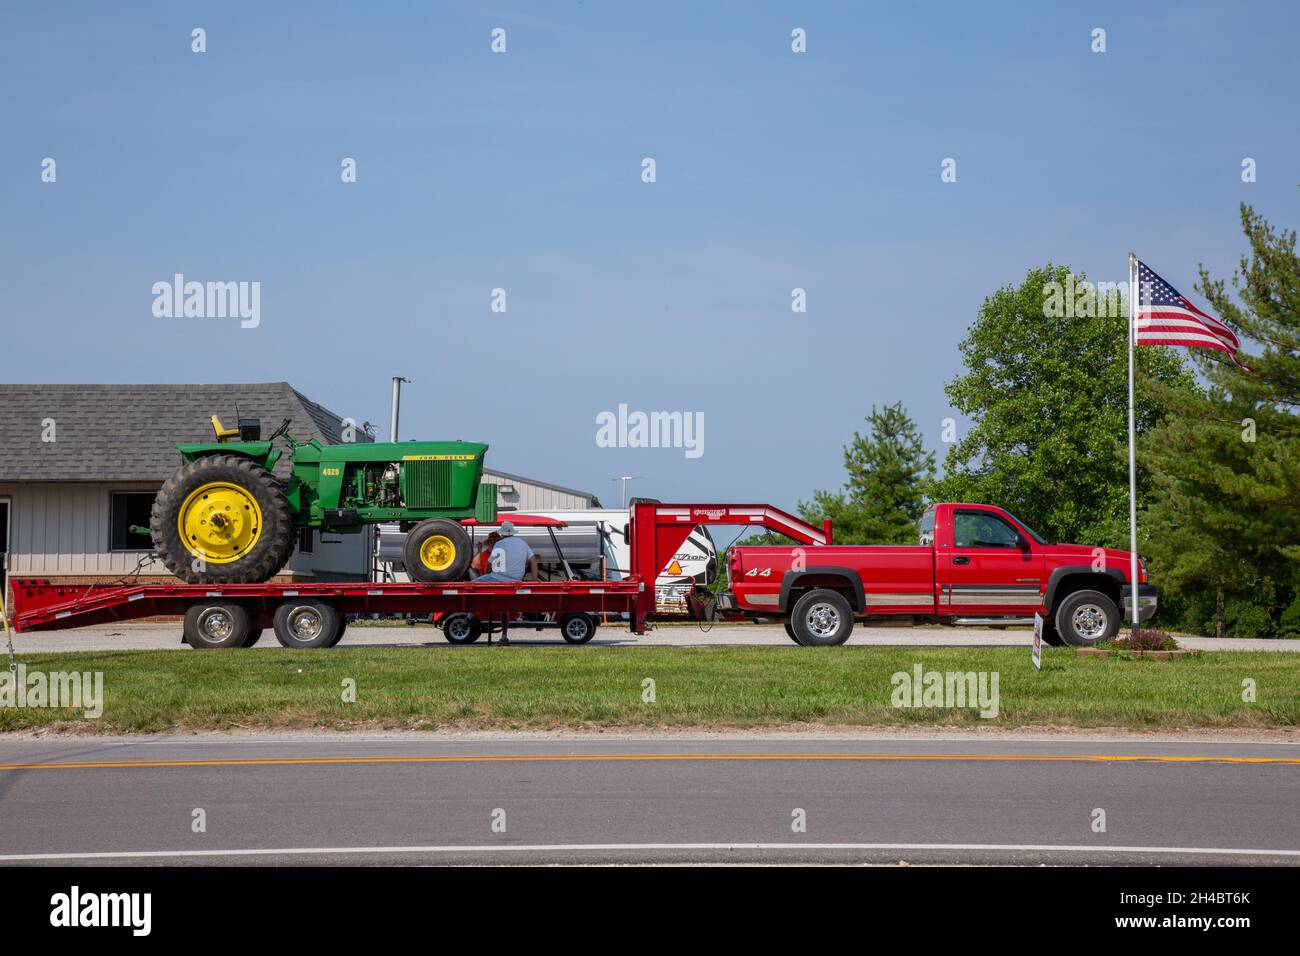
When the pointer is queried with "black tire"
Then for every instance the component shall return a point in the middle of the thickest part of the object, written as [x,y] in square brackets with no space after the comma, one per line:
[454,537]
[822,618]
[254,635]
[462,628]
[789,630]
[338,635]
[212,625]
[1050,637]
[272,539]
[577,627]
[303,623]
[1085,618]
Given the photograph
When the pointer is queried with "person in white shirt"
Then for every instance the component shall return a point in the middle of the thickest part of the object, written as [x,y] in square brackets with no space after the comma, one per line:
[511,559]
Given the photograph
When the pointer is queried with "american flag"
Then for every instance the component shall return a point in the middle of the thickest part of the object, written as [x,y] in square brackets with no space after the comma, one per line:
[1166,317]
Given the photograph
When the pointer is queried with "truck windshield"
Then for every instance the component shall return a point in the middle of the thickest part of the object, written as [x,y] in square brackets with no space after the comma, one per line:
[1028,530]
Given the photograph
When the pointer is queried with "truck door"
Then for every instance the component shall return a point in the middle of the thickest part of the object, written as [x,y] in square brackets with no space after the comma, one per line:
[991,568]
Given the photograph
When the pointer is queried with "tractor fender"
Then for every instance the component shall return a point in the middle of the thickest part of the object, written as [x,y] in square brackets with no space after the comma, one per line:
[1065,570]
[262,453]
[815,575]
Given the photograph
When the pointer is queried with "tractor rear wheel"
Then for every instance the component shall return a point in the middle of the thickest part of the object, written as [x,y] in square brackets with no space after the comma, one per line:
[222,519]
[437,550]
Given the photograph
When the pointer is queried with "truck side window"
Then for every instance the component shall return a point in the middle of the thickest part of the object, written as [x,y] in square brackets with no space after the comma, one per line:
[927,528]
[981,529]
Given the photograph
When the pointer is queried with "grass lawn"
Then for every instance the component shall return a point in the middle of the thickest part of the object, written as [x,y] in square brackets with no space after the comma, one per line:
[708,687]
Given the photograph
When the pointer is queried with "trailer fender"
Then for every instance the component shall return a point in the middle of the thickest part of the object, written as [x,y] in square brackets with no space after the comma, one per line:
[823,576]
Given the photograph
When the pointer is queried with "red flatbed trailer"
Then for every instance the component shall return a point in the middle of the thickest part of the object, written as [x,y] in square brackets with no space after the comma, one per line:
[656,531]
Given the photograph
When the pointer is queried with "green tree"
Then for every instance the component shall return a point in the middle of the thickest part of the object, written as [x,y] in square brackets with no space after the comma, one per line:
[1046,391]
[1225,515]
[888,473]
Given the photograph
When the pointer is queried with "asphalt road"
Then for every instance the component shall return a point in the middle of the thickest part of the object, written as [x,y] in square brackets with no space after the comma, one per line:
[325,800]
[135,636]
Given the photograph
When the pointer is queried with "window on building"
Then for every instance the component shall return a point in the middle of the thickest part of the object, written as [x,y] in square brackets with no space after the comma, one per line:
[130,508]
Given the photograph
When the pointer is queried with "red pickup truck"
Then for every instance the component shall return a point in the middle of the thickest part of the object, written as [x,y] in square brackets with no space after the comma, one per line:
[974,564]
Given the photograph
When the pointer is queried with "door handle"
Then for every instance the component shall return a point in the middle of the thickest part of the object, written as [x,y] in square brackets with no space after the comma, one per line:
[960,559]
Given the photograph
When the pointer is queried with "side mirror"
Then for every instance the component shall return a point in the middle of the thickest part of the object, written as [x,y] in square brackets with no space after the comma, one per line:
[1022,542]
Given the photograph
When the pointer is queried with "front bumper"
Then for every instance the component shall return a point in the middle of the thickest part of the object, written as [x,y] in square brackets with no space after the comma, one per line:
[1146,602]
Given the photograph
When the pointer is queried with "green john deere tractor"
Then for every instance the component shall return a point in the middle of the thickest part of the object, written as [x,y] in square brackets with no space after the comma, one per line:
[224,518]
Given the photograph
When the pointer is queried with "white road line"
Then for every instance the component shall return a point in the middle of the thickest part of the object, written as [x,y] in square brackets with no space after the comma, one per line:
[623,847]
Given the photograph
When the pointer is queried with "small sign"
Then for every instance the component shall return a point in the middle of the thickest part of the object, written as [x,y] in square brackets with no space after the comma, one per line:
[1037,655]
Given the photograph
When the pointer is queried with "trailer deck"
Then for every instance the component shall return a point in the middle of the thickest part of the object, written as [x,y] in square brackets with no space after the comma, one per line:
[317,612]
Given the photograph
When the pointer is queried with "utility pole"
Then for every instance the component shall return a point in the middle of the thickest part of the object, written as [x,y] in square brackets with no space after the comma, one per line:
[625,479]
[397,404]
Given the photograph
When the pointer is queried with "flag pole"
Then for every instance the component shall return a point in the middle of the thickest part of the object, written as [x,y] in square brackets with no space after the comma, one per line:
[1132,450]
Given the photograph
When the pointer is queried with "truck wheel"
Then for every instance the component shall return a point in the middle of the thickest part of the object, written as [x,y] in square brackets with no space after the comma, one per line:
[462,629]
[1085,618]
[254,635]
[338,635]
[822,618]
[214,625]
[303,623]
[222,519]
[789,629]
[577,627]
[437,550]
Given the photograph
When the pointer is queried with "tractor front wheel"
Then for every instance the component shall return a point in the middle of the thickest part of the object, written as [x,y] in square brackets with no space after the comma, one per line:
[222,519]
[437,550]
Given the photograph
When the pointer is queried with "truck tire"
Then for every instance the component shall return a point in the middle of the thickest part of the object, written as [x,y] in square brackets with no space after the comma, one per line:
[222,519]
[437,550]
[210,625]
[303,623]
[338,635]
[822,618]
[254,635]
[578,627]
[789,630]
[1085,618]
[462,629]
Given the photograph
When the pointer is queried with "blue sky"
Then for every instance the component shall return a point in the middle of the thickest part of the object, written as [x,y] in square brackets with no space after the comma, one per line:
[522,171]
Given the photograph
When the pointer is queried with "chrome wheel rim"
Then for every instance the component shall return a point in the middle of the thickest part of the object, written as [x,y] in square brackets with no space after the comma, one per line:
[823,620]
[1089,621]
[305,624]
[216,625]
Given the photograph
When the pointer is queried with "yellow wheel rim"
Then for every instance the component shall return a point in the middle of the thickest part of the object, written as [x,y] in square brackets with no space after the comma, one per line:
[438,552]
[220,522]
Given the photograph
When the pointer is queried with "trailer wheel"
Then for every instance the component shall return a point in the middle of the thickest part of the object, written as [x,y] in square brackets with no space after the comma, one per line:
[215,625]
[462,628]
[304,623]
[222,519]
[254,635]
[437,550]
[789,630]
[338,635]
[578,627]
[822,618]
[1085,618]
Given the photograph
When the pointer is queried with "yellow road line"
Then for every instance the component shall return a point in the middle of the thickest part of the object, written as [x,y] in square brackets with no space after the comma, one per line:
[598,758]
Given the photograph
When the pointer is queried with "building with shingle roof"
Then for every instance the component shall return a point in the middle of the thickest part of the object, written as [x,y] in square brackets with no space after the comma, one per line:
[80,464]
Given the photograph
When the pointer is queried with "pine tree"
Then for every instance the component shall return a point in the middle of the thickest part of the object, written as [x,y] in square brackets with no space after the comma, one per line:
[888,472]
[1225,514]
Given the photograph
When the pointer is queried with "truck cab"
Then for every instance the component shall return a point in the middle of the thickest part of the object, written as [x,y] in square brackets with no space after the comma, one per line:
[973,564]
